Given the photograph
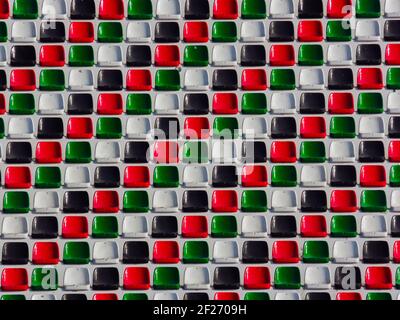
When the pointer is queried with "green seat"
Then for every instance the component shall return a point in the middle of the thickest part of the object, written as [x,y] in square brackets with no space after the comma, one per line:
[48,177]
[105,227]
[195,56]
[78,152]
[76,253]
[344,226]
[394,176]
[256,296]
[373,201]
[44,279]
[226,127]
[224,31]
[312,151]
[135,296]
[52,80]
[224,227]
[315,252]
[195,152]
[110,32]
[21,104]
[136,201]
[254,201]
[166,177]
[342,127]
[140,9]
[2,128]
[25,9]
[168,80]
[109,128]
[282,79]
[393,78]
[311,55]
[3,32]
[254,103]
[196,252]
[166,278]
[16,202]
[13,297]
[287,278]
[337,30]
[368,9]
[81,56]
[284,176]
[138,104]
[370,102]
[254,9]
[378,296]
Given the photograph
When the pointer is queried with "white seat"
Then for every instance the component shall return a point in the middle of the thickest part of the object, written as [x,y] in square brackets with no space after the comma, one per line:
[345,252]
[224,55]
[166,103]
[283,103]
[392,8]
[313,176]
[23,31]
[138,32]
[373,226]
[281,9]
[77,177]
[43,297]
[254,128]
[20,128]
[339,55]
[168,9]
[51,103]
[317,278]
[105,252]
[134,227]
[284,201]
[107,152]
[3,56]
[54,9]
[311,79]
[224,151]
[371,127]
[342,151]
[252,31]
[367,30]
[254,227]
[46,202]
[226,252]
[287,296]
[14,228]
[167,296]
[138,128]
[196,278]
[196,80]
[195,176]
[395,200]
[81,80]
[165,201]
[109,56]
[393,102]
[76,279]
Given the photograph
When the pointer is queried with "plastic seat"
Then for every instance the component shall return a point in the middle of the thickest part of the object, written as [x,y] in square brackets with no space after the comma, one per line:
[392,9]
[109,56]
[225,9]
[283,151]
[77,177]
[376,252]
[111,10]
[196,80]
[81,32]
[225,252]
[311,79]
[54,9]
[285,252]
[339,55]
[196,278]
[135,252]
[317,278]
[313,226]
[165,201]
[138,32]
[195,176]
[105,252]
[20,128]
[283,227]
[14,279]
[46,202]
[107,152]
[394,203]
[345,252]
[224,201]
[81,80]
[367,31]
[254,227]
[76,279]
[254,128]
[136,278]
[284,201]
[252,31]
[168,9]
[197,9]
[378,278]
[282,103]
[279,9]
[341,151]
[23,31]
[371,127]
[224,55]
[224,152]
[4,9]
[45,253]
[17,178]
[373,226]
[14,228]
[313,176]
[134,227]
[74,228]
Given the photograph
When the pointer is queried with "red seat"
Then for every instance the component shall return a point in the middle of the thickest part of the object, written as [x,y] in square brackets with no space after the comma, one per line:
[110,104]
[370,78]
[281,55]
[14,279]
[254,79]
[18,178]
[373,176]
[378,278]
[81,32]
[224,201]
[196,128]
[341,103]
[313,127]
[336,9]
[111,9]
[225,103]
[313,226]
[4,9]
[195,31]
[348,296]
[396,252]
[394,151]
[283,151]
[343,201]
[225,9]
[194,227]
[138,80]
[136,278]
[166,252]
[285,252]
[79,128]
[22,80]
[392,54]
[75,227]
[166,152]
[2,104]
[254,176]
[52,56]
[105,296]
[137,177]
[105,202]
[226,296]
[167,56]
[257,278]
[45,253]
[48,152]
[310,31]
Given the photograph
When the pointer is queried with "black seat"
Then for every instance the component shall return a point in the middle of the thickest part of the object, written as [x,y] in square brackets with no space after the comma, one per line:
[225,80]
[340,79]
[166,32]
[313,201]
[395,226]
[343,176]
[15,253]
[3,80]
[80,104]
[110,80]
[74,297]
[254,152]
[105,278]
[348,278]
[283,128]
[166,128]
[371,151]
[19,152]
[281,31]
[23,56]
[198,296]
[368,54]
[391,30]
[76,202]
[224,176]
[253,55]
[196,104]
[138,56]
[255,252]
[135,252]
[283,227]
[164,227]
[83,9]
[317,296]
[137,152]
[50,128]
[394,127]
[52,31]
[195,201]
[44,228]
[310,9]
[197,9]
[226,278]
[312,103]
[376,252]
[107,177]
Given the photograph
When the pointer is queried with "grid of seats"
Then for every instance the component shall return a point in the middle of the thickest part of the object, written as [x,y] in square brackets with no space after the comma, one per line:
[200,149]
